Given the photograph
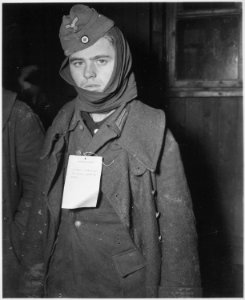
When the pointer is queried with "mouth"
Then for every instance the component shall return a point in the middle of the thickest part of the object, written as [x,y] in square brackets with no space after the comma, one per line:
[91,87]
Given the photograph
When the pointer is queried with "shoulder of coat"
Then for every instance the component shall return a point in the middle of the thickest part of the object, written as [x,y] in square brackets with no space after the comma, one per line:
[22,107]
[151,122]
[24,114]
[145,113]
[65,111]
[63,117]
[143,133]
[59,127]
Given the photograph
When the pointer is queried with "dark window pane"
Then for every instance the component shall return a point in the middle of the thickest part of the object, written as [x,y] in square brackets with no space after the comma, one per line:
[207,48]
[193,6]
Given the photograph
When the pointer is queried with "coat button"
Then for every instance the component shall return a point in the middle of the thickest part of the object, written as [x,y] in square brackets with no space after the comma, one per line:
[81,127]
[78,224]
[78,152]
[95,130]
[158,214]
[160,238]
[84,39]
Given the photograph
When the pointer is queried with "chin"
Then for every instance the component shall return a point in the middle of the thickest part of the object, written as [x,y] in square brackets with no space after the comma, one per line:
[93,90]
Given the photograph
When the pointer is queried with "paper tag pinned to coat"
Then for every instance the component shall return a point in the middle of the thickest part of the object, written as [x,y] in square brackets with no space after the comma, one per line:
[82,183]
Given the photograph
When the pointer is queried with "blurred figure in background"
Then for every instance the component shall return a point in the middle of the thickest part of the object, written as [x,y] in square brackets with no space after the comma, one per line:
[31,84]
[23,136]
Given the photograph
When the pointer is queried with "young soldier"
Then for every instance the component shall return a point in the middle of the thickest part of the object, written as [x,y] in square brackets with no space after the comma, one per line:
[117,217]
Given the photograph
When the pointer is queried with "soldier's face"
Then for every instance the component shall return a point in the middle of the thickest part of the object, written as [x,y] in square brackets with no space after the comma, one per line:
[92,68]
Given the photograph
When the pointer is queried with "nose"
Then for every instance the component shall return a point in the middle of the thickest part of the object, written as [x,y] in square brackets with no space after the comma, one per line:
[90,70]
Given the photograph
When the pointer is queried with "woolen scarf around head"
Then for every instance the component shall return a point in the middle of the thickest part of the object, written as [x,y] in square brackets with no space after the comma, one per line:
[121,88]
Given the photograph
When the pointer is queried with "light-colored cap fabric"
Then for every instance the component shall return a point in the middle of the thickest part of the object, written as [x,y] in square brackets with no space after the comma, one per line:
[82,28]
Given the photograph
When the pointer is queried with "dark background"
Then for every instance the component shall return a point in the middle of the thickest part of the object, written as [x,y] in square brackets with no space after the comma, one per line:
[209,130]
[30,36]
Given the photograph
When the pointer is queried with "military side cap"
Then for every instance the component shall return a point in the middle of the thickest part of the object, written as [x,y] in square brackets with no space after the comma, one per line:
[82,28]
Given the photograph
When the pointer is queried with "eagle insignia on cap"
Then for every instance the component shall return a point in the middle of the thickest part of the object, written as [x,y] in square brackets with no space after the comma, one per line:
[84,39]
[73,24]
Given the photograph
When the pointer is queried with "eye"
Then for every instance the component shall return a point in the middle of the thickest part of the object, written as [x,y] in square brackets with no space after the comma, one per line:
[102,61]
[77,63]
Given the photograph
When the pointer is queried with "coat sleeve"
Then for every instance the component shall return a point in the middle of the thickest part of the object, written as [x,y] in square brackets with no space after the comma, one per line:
[29,135]
[29,140]
[180,275]
[32,257]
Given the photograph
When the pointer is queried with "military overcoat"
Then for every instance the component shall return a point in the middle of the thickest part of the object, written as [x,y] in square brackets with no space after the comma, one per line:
[145,184]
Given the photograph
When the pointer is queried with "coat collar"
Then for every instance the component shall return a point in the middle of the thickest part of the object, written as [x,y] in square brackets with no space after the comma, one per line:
[139,129]
[69,117]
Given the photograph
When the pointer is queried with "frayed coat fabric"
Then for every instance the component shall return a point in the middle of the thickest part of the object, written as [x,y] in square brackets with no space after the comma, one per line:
[145,185]
[22,140]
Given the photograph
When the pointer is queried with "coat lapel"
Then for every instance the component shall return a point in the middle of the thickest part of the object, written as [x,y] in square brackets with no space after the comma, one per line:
[115,185]
[109,130]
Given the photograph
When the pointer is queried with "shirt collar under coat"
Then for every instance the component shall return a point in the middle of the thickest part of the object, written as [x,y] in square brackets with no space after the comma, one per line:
[120,89]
